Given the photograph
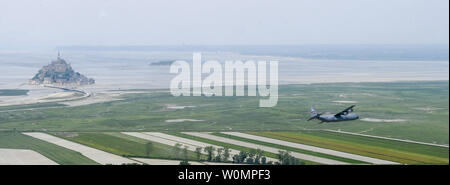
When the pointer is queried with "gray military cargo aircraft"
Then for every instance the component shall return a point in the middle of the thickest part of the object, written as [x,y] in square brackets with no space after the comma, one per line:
[345,115]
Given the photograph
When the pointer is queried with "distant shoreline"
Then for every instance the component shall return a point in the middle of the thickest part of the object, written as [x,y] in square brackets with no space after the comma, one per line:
[313,51]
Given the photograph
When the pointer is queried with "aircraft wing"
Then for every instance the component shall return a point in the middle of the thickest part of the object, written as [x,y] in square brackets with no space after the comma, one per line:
[347,110]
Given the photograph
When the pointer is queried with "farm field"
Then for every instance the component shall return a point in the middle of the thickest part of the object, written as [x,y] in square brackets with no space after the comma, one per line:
[273,150]
[184,141]
[229,145]
[53,152]
[159,147]
[125,145]
[402,152]
[23,157]
[194,144]
[232,146]
[316,151]
[419,108]
[99,156]
[278,90]
[176,162]
[150,123]
[163,161]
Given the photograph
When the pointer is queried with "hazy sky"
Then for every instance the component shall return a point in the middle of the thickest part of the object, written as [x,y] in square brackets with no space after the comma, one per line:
[49,23]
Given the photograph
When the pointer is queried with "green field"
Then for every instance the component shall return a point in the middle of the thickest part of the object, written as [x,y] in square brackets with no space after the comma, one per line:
[231,146]
[402,152]
[286,148]
[422,105]
[129,146]
[56,153]
[124,145]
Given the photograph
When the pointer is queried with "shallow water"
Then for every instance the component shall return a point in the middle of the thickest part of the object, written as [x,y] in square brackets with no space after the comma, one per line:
[131,70]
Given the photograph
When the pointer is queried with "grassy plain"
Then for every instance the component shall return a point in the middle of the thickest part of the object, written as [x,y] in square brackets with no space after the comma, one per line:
[229,145]
[291,149]
[423,107]
[407,153]
[128,146]
[55,153]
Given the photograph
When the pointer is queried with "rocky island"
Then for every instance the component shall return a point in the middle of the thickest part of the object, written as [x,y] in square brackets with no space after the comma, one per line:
[60,73]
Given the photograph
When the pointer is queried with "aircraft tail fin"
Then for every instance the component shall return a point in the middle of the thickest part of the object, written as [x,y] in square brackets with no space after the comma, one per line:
[314,114]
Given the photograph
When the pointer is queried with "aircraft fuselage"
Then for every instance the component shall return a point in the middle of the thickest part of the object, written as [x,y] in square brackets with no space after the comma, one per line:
[333,118]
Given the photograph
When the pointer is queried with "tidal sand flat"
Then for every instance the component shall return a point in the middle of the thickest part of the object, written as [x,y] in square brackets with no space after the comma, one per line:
[125,70]
[131,70]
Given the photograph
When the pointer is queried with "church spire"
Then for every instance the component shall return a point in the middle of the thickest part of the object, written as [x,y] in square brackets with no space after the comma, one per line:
[58,55]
